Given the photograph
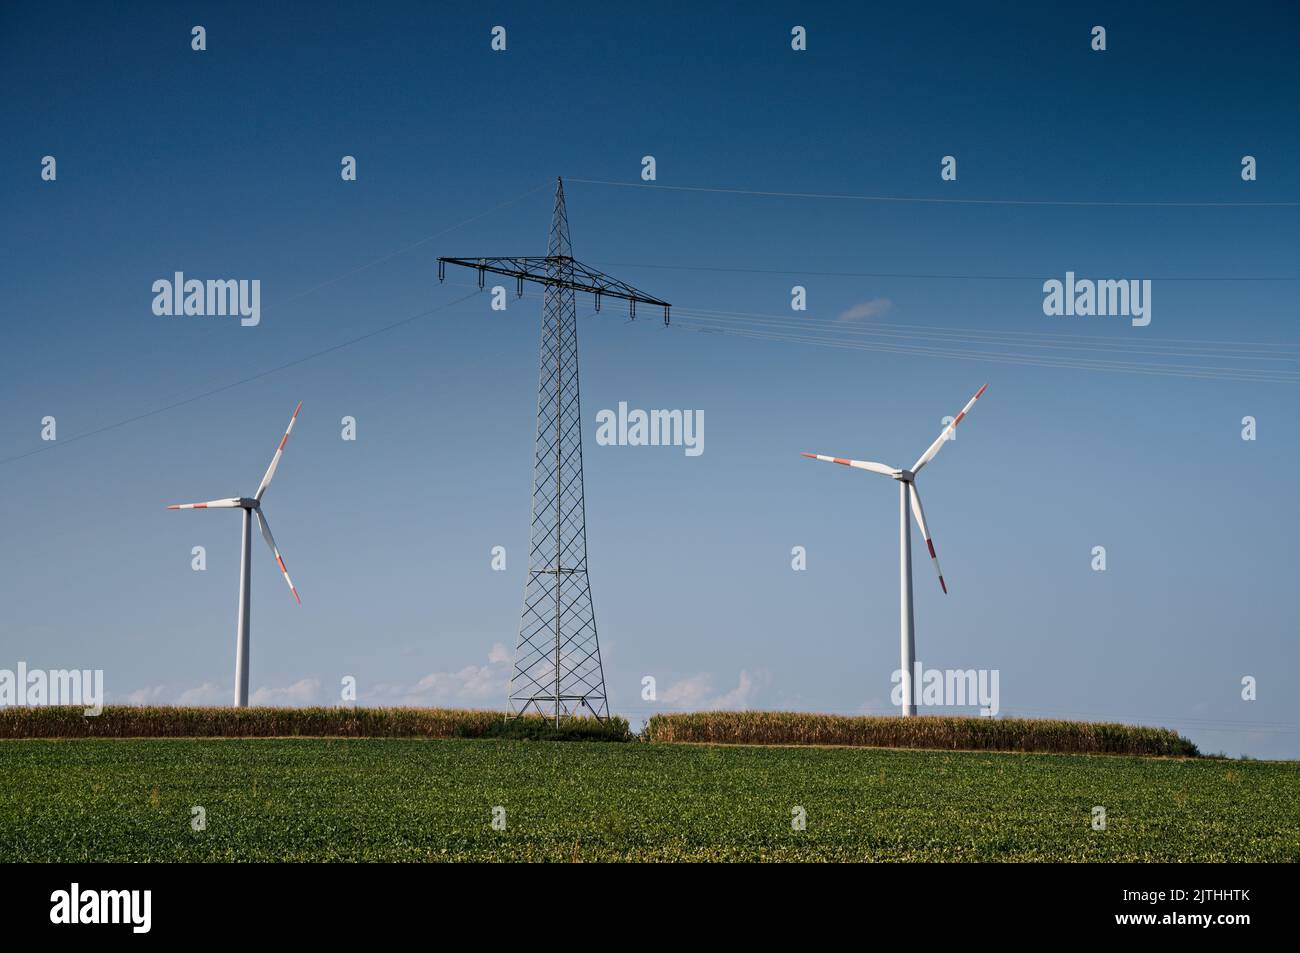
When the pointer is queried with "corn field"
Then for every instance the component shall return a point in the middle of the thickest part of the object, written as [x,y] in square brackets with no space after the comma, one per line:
[967,734]
[720,727]
[129,721]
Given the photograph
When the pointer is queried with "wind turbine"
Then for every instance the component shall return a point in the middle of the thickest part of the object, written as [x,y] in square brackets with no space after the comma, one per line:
[250,505]
[907,494]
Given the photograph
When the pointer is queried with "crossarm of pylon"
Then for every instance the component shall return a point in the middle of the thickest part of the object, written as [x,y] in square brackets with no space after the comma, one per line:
[560,272]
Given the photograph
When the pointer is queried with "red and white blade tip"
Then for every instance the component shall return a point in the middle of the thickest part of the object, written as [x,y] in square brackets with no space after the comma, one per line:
[285,438]
[969,405]
[292,587]
[821,456]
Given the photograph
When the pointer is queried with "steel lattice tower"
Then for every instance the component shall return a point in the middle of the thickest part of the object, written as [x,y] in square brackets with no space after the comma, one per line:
[557,666]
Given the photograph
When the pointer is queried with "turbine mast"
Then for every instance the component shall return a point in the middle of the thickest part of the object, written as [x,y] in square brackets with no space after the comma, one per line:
[245,606]
[907,621]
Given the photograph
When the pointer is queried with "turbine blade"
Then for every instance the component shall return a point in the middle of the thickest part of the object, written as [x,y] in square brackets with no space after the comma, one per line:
[943,434]
[925,531]
[859,464]
[270,541]
[210,505]
[279,452]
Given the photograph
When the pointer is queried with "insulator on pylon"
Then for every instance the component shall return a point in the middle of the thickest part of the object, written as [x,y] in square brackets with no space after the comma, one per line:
[667,307]
[598,300]
[481,272]
[442,270]
[520,290]
[631,307]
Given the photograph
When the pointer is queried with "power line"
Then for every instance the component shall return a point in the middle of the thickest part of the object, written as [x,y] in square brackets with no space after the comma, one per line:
[416,244]
[924,275]
[62,441]
[794,330]
[1189,342]
[778,328]
[1185,371]
[905,332]
[1248,350]
[934,201]
[1237,375]
[225,387]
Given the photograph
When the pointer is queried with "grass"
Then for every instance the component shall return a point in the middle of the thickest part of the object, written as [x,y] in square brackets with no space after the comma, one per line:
[965,734]
[430,800]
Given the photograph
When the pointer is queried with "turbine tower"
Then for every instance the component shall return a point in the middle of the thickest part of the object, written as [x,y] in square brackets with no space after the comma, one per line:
[557,666]
[250,505]
[909,497]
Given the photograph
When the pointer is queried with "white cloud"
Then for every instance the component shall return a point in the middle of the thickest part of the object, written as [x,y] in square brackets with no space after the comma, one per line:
[205,694]
[153,695]
[475,686]
[742,696]
[697,692]
[688,692]
[866,309]
[302,692]
[876,706]
[209,693]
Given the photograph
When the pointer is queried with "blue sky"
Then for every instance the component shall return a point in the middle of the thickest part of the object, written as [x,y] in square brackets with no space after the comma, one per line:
[225,163]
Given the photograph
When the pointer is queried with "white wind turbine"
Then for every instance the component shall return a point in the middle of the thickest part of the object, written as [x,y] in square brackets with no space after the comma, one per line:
[250,505]
[908,494]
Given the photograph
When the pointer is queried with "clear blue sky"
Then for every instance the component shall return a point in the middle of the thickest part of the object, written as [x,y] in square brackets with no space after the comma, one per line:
[225,163]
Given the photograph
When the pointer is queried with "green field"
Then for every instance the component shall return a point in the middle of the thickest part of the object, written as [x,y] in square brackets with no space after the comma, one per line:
[419,800]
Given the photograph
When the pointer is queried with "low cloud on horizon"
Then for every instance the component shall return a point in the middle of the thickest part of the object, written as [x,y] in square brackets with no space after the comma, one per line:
[473,686]
[697,693]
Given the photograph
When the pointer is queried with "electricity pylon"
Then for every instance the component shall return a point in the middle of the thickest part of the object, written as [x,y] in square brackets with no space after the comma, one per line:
[557,667]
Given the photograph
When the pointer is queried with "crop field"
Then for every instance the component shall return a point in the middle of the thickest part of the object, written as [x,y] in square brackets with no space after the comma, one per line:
[708,727]
[928,731]
[172,721]
[430,800]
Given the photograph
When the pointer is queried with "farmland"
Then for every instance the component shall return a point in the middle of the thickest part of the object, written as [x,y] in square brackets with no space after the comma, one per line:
[710,727]
[954,734]
[406,799]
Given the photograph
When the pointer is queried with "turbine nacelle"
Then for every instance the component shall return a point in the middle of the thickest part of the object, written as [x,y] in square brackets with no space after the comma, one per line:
[904,476]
